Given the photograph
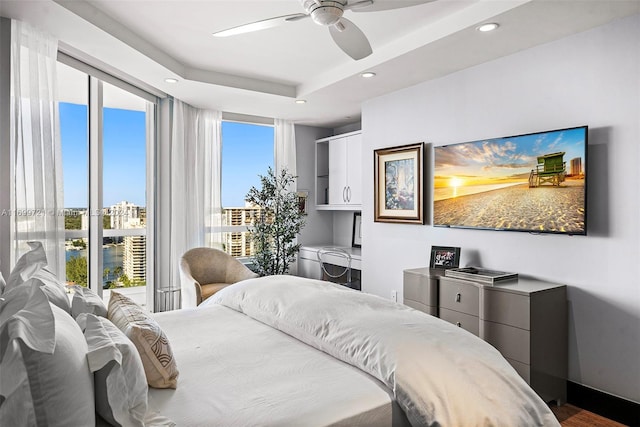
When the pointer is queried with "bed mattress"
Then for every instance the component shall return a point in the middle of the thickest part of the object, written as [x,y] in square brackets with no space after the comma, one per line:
[237,371]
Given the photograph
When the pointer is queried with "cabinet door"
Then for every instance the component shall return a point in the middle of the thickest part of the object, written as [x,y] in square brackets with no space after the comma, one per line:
[354,169]
[338,171]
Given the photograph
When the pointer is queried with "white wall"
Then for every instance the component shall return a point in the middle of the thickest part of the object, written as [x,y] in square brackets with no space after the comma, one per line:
[319,224]
[590,78]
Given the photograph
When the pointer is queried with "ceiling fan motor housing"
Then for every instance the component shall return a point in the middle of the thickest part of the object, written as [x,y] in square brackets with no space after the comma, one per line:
[324,12]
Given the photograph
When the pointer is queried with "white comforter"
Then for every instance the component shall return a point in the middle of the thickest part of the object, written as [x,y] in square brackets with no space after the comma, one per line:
[440,374]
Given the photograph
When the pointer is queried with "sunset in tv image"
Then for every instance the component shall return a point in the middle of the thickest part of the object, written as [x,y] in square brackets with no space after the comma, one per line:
[532,182]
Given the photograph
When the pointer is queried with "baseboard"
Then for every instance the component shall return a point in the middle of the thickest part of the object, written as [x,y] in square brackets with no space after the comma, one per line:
[609,406]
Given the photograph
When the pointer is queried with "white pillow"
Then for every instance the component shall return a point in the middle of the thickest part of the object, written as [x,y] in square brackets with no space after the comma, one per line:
[27,265]
[52,288]
[26,319]
[152,343]
[45,343]
[120,383]
[32,269]
[87,301]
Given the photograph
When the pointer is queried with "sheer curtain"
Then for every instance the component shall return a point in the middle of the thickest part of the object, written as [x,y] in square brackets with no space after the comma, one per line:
[36,155]
[195,180]
[285,148]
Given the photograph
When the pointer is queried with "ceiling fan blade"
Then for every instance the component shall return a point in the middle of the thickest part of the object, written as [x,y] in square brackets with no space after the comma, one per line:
[260,25]
[377,5]
[350,39]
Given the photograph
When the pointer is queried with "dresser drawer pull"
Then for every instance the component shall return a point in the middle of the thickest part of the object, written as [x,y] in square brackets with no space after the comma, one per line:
[458,297]
[459,324]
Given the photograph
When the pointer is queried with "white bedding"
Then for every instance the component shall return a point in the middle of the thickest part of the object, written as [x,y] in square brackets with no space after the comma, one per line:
[235,371]
[440,374]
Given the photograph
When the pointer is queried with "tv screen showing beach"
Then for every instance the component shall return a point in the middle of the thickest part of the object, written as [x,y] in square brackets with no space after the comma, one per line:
[534,182]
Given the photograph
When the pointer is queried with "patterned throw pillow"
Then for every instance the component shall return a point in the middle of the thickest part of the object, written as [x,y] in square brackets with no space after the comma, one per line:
[152,344]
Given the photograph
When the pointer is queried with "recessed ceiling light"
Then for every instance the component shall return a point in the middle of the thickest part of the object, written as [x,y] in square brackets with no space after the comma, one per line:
[368,74]
[171,80]
[487,27]
[301,101]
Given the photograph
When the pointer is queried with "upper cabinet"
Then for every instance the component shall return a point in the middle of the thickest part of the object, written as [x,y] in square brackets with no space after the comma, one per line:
[339,172]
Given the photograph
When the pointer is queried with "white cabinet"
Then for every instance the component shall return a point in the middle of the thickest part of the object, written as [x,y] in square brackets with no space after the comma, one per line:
[339,172]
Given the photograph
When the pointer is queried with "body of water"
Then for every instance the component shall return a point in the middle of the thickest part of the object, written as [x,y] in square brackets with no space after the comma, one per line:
[111,255]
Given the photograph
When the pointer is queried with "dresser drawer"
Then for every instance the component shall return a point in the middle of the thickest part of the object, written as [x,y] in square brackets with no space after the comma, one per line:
[462,297]
[429,309]
[420,288]
[513,343]
[507,308]
[465,321]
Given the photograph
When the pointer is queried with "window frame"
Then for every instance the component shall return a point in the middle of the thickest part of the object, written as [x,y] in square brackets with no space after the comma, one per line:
[245,120]
[96,232]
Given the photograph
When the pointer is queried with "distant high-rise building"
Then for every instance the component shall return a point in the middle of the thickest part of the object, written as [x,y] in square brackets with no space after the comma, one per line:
[134,261]
[239,244]
[576,166]
[123,212]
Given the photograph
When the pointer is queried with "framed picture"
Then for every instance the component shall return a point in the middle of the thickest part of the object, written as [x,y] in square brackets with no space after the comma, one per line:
[399,184]
[356,236]
[444,257]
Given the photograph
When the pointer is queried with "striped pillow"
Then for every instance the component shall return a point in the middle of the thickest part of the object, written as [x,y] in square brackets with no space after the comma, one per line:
[150,341]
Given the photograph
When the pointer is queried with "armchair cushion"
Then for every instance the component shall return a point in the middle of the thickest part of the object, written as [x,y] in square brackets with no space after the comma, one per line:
[210,289]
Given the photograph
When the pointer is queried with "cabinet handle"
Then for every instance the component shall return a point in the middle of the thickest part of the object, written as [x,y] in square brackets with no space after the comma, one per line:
[344,198]
[458,297]
[348,193]
[458,324]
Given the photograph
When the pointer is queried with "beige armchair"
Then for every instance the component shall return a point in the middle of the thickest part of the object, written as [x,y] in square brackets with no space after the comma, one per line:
[204,271]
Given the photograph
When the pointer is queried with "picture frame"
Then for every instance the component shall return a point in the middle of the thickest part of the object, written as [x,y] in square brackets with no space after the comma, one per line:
[444,257]
[356,235]
[399,184]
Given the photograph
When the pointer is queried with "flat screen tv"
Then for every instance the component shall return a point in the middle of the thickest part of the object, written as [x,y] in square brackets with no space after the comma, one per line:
[534,183]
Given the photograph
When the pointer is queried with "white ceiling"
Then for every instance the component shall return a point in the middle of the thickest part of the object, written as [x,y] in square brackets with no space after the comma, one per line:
[262,73]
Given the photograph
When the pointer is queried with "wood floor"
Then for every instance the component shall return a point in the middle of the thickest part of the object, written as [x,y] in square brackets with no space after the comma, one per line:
[572,416]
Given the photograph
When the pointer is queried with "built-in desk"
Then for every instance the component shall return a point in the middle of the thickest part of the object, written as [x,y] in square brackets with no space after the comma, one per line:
[309,266]
[525,319]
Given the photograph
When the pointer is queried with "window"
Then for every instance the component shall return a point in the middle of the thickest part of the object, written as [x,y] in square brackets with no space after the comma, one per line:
[104,154]
[247,152]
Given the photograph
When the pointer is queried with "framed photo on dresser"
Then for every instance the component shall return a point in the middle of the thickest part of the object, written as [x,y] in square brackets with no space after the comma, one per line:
[444,257]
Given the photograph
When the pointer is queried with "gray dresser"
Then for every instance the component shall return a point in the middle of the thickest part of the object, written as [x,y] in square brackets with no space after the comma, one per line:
[526,320]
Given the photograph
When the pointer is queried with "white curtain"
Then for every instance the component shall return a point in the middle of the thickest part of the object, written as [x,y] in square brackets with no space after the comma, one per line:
[195,180]
[285,148]
[36,155]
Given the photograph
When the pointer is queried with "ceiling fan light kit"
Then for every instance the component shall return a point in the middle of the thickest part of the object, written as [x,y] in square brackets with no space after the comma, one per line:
[328,13]
[324,12]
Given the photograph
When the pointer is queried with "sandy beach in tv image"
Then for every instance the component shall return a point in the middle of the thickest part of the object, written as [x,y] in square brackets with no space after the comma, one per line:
[530,182]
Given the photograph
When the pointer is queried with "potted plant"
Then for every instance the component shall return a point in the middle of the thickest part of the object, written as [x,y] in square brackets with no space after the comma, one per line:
[276,226]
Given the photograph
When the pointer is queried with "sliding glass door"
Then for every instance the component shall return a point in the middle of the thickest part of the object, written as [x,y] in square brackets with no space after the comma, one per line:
[106,135]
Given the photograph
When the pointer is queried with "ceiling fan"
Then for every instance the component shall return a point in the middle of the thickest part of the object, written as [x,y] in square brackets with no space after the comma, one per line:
[328,13]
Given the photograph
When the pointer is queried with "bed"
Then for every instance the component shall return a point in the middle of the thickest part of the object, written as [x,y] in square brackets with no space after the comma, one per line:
[284,350]
[271,351]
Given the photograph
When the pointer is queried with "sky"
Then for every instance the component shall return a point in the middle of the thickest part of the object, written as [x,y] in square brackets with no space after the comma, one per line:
[247,151]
